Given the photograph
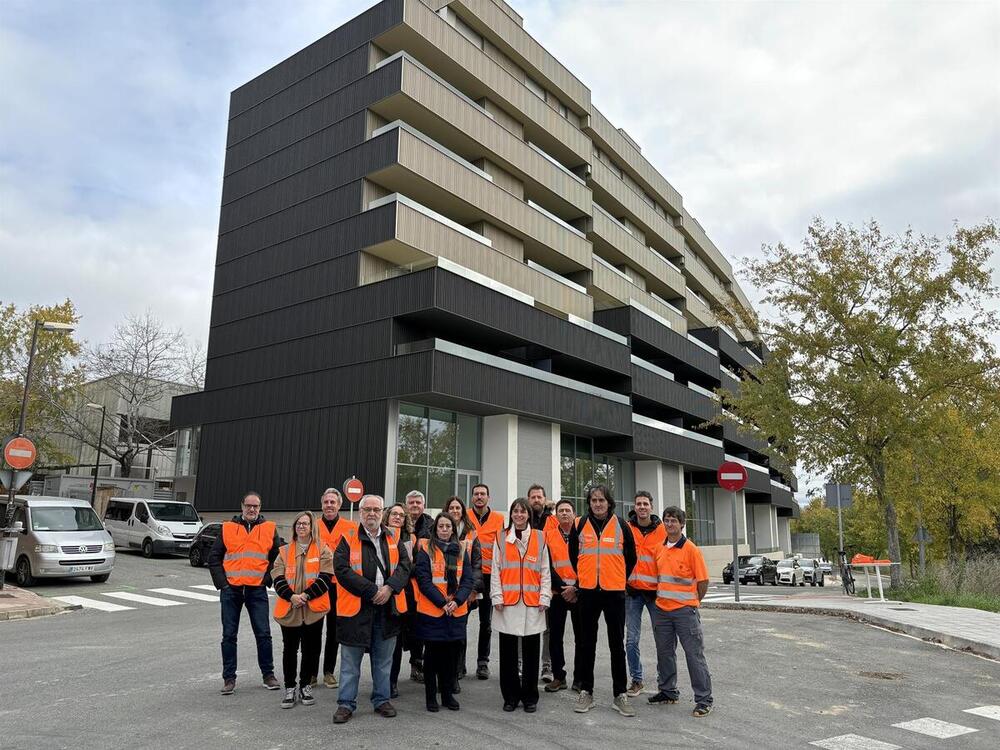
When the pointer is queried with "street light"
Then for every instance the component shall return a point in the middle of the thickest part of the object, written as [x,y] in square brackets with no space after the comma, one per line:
[43,325]
[97,459]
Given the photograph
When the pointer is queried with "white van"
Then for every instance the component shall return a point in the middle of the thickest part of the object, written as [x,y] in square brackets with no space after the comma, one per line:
[59,537]
[153,526]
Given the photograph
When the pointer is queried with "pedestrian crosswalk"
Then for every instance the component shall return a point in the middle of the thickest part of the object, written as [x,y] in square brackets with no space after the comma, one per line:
[927,726]
[158,597]
[732,597]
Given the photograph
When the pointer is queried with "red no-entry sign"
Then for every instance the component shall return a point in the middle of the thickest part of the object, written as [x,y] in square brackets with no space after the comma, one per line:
[19,453]
[732,476]
[354,490]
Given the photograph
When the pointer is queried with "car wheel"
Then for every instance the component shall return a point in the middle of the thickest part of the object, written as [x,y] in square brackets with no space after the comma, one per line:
[802,582]
[727,581]
[774,581]
[793,579]
[101,578]
[195,557]
[22,573]
[147,547]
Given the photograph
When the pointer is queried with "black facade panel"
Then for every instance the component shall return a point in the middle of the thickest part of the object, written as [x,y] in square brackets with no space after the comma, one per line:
[782,498]
[320,53]
[648,441]
[735,434]
[731,384]
[728,348]
[672,394]
[353,98]
[347,235]
[670,342]
[299,95]
[291,458]
[758,481]
[318,147]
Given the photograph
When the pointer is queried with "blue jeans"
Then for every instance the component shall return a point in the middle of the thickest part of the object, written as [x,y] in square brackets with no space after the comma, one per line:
[380,655]
[633,631]
[254,598]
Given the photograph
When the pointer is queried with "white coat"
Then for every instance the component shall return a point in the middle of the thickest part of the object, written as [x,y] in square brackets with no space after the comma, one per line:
[519,619]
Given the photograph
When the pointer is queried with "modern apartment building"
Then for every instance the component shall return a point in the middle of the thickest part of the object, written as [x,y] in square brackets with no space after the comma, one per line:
[439,264]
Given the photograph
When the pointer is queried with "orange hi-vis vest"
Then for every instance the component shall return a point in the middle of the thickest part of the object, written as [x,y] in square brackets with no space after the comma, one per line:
[601,560]
[439,578]
[342,528]
[678,569]
[559,555]
[521,577]
[487,533]
[646,546]
[349,604]
[245,561]
[321,603]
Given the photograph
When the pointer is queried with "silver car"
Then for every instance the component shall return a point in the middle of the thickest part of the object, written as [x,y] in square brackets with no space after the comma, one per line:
[789,572]
[60,537]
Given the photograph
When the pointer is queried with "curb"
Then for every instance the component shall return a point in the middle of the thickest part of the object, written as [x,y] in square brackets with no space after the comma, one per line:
[25,613]
[956,642]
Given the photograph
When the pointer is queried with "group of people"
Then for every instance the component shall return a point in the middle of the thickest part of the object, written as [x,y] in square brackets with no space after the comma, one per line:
[400,580]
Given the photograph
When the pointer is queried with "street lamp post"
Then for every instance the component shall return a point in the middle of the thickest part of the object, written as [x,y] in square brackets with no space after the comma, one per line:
[97,459]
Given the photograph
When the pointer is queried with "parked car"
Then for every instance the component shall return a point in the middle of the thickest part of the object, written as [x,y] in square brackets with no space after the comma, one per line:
[755,568]
[826,566]
[153,526]
[790,572]
[812,573]
[60,538]
[203,541]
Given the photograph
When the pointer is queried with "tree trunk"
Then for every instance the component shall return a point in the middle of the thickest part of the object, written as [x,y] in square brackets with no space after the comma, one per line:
[126,467]
[891,523]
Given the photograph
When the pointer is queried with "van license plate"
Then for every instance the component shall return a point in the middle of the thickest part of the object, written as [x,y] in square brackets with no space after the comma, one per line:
[82,568]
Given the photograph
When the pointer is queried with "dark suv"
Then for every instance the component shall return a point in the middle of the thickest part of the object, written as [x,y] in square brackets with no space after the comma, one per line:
[202,543]
[754,568]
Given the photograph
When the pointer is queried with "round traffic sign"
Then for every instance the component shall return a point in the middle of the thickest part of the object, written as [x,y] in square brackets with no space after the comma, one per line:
[354,490]
[19,453]
[732,476]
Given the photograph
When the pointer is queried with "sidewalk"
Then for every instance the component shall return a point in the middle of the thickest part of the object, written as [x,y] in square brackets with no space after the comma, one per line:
[972,630]
[17,604]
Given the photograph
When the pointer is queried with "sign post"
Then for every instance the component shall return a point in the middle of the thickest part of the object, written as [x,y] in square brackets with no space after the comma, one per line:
[354,490]
[843,495]
[733,477]
[19,454]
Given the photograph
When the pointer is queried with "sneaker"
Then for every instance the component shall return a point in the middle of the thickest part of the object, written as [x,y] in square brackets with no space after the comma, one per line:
[622,706]
[416,674]
[585,702]
[313,681]
[342,715]
[483,672]
[634,689]
[386,710]
[555,686]
[289,700]
[662,698]
[271,683]
[546,673]
[306,695]
[330,680]
[702,710]
[228,687]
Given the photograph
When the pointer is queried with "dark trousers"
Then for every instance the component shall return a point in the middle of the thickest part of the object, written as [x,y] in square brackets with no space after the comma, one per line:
[397,660]
[232,600]
[332,644]
[524,688]
[591,604]
[485,623]
[440,664]
[558,612]
[309,638]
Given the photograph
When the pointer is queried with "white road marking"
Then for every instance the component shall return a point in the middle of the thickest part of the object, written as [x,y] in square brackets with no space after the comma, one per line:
[92,603]
[853,742]
[935,728]
[990,712]
[187,594]
[142,599]
[206,587]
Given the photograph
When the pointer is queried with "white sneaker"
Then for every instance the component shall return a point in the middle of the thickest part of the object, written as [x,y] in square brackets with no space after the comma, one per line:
[306,695]
[289,700]
[622,706]
[585,702]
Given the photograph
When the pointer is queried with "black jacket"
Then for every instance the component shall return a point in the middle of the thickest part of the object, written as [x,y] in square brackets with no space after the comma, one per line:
[628,543]
[422,527]
[357,630]
[218,552]
[429,628]
[539,518]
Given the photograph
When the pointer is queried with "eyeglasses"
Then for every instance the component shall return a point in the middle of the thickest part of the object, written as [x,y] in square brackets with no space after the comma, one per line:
[303,523]
[397,514]
[251,507]
[371,510]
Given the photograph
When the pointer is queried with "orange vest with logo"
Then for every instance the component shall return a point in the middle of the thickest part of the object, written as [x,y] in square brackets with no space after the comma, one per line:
[559,555]
[646,546]
[676,585]
[521,577]
[245,561]
[342,528]
[601,560]
[349,604]
[311,569]
[439,578]
[487,533]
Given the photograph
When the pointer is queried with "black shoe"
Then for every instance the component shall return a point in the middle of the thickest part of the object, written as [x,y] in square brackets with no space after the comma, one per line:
[393,691]
[483,672]
[662,698]
[417,673]
[530,708]
[508,707]
[451,704]
[433,707]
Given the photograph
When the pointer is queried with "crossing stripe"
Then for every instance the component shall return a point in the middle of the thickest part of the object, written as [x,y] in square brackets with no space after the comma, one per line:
[853,742]
[142,599]
[942,730]
[92,603]
[989,712]
[205,587]
[187,594]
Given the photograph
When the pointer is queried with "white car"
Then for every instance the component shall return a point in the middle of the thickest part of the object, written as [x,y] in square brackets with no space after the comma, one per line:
[791,573]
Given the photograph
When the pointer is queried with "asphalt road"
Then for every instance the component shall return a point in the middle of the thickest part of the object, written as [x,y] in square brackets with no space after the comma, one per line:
[149,676]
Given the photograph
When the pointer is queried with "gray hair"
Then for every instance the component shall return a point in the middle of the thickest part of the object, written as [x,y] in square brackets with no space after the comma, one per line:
[381,501]
[416,493]
[331,491]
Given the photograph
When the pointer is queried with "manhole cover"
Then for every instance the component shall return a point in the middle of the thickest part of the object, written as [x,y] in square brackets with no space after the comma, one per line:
[903,609]
[882,675]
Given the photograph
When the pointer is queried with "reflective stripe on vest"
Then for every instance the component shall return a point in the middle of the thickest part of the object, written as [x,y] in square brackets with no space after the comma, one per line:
[487,534]
[245,561]
[601,560]
[559,555]
[439,577]
[311,570]
[342,528]
[673,592]
[348,604]
[644,574]
[521,577]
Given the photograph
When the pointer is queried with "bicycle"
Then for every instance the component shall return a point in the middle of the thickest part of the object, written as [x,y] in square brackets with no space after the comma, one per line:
[846,576]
